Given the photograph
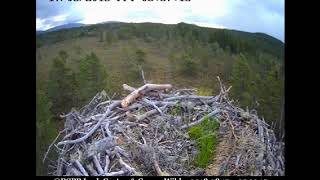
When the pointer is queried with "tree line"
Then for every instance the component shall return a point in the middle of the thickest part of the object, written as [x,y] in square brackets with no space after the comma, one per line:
[65,89]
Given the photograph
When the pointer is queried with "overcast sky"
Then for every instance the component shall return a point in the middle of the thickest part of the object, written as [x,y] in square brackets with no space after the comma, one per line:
[265,16]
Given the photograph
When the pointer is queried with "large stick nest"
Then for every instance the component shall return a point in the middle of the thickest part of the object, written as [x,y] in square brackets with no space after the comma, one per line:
[145,138]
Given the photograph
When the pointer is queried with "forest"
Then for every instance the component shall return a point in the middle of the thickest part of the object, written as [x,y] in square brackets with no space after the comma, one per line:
[73,65]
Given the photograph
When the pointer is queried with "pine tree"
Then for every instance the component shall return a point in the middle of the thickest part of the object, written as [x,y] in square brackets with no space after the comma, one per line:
[187,65]
[61,87]
[45,129]
[92,77]
[273,87]
[242,82]
[129,62]
[140,57]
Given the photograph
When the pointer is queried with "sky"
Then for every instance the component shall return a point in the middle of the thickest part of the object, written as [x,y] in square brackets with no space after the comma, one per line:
[266,16]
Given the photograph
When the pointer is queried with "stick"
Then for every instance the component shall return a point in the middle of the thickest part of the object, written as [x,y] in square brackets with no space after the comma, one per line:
[200,120]
[117,173]
[142,74]
[130,169]
[128,88]
[113,105]
[97,164]
[83,171]
[92,171]
[149,113]
[108,132]
[106,167]
[153,104]
[75,172]
[45,156]
[188,97]
[232,127]
[157,167]
[141,91]
[260,130]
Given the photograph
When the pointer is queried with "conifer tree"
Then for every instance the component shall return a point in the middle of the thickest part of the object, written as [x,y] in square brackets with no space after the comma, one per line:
[92,77]
[45,129]
[61,87]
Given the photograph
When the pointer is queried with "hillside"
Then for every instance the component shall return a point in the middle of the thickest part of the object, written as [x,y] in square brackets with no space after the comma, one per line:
[74,64]
[161,43]
[246,41]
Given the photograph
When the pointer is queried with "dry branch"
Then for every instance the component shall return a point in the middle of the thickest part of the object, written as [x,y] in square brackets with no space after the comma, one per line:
[113,105]
[141,91]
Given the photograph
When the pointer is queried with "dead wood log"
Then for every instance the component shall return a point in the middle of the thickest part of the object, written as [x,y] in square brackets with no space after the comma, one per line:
[141,91]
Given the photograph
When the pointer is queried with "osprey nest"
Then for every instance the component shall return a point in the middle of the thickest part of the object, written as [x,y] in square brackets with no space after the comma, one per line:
[140,136]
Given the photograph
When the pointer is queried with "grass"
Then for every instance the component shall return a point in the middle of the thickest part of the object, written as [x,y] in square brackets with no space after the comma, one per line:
[205,136]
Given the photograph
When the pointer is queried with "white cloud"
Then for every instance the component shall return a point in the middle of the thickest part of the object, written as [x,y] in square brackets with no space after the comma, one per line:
[41,25]
[165,12]
[60,18]
[250,15]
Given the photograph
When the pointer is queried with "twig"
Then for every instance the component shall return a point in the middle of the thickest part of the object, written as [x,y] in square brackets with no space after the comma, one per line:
[142,75]
[230,123]
[45,156]
[153,104]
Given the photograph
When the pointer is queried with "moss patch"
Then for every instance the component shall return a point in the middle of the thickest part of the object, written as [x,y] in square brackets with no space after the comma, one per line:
[204,92]
[205,136]
[176,110]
